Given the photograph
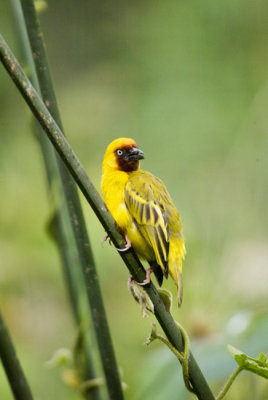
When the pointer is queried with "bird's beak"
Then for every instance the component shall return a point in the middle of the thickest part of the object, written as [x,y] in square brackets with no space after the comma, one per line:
[135,154]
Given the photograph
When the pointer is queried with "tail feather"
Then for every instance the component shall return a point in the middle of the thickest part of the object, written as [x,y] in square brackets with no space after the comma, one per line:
[180,289]
[176,255]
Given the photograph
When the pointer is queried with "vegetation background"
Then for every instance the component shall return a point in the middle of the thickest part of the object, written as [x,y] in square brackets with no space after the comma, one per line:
[188,81]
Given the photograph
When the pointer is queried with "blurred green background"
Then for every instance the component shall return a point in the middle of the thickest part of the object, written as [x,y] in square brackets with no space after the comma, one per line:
[188,81]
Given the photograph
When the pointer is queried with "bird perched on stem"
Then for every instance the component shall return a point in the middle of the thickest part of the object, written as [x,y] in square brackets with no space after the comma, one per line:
[143,211]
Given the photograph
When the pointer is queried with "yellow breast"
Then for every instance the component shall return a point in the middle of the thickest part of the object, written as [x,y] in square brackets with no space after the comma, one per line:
[112,187]
[113,190]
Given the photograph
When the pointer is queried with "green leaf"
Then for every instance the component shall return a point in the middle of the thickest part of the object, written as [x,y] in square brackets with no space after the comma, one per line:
[167,298]
[152,335]
[60,357]
[257,366]
[256,369]
[233,351]
[263,360]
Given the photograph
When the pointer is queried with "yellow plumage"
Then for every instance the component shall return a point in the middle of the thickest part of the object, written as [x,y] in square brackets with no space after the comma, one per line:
[143,210]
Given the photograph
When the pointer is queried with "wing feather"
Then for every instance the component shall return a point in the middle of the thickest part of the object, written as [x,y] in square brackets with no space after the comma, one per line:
[147,210]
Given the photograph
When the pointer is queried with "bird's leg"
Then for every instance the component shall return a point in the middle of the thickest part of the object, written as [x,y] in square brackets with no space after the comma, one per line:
[104,240]
[148,277]
[128,245]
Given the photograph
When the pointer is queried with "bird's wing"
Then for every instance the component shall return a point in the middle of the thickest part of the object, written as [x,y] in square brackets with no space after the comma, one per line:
[147,207]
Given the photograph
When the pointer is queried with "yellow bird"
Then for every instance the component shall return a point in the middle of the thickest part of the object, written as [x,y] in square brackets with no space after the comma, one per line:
[144,211]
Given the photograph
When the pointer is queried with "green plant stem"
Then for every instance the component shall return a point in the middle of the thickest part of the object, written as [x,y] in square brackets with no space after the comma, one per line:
[181,357]
[169,345]
[75,211]
[228,384]
[60,226]
[50,162]
[11,364]
[38,108]
[186,352]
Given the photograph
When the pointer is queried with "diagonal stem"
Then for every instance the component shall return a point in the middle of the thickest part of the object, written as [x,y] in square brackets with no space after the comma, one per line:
[11,364]
[229,383]
[38,108]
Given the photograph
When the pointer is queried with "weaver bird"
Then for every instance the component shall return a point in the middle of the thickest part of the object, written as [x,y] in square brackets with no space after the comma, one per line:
[143,211]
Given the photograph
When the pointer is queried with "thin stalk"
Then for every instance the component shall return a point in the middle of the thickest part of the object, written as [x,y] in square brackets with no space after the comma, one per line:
[229,383]
[48,154]
[54,133]
[61,228]
[75,212]
[11,364]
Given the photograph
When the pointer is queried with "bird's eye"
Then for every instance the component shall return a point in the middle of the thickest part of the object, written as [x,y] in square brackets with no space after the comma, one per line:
[119,152]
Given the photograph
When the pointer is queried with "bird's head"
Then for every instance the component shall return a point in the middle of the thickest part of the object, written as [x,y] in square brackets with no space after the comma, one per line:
[123,154]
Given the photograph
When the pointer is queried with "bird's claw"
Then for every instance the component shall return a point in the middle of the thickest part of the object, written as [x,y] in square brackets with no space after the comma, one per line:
[147,280]
[127,247]
[106,237]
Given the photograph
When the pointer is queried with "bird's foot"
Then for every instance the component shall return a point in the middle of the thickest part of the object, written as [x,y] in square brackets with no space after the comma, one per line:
[106,237]
[147,280]
[128,245]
